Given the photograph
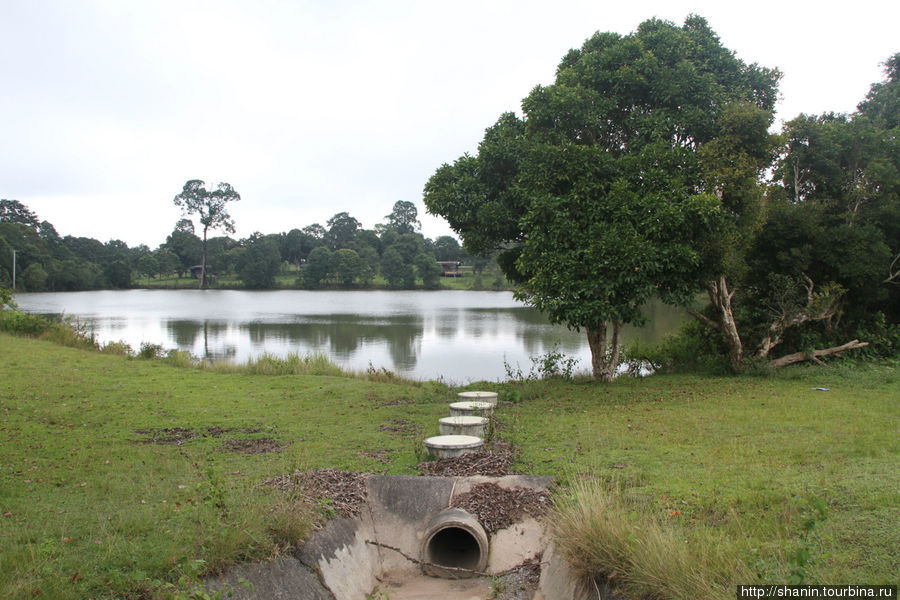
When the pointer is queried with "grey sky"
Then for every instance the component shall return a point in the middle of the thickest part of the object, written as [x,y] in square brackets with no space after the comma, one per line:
[310,108]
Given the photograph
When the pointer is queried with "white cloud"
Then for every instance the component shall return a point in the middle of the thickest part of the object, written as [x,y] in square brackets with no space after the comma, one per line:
[311,108]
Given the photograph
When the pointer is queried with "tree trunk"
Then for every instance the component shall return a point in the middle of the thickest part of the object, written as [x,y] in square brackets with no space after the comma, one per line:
[604,358]
[720,298]
[203,284]
[815,354]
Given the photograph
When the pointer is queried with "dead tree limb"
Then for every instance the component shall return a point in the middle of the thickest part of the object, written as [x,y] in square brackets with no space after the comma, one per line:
[821,306]
[894,271]
[797,357]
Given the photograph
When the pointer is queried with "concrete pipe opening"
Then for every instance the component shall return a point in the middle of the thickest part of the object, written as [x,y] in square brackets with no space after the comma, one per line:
[455,545]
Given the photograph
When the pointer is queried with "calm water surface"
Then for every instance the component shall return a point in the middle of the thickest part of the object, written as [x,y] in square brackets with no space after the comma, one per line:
[460,336]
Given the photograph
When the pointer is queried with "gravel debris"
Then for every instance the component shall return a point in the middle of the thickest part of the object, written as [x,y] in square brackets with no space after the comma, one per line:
[497,508]
[346,491]
[521,583]
[493,463]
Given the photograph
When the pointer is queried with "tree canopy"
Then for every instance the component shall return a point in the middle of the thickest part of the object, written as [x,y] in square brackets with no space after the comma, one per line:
[605,193]
[210,207]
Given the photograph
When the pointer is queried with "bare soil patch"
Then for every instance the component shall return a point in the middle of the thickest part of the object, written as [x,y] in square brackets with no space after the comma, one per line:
[400,427]
[171,436]
[253,446]
[176,436]
[382,456]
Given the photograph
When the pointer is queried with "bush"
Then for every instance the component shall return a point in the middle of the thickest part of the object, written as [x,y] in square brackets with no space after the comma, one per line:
[694,349]
[150,351]
[119,348]
[552,365]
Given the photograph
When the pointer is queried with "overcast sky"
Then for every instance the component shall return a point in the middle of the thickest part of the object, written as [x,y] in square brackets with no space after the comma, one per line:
[309,108]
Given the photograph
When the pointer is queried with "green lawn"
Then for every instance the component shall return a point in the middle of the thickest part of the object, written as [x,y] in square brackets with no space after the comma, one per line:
[90,507]
[743,457]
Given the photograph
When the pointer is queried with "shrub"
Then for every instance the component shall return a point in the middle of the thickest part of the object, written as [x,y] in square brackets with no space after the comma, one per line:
[119,348]
[150,351]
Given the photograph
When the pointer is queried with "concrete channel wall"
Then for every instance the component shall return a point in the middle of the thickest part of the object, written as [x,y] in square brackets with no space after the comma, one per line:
[346,559]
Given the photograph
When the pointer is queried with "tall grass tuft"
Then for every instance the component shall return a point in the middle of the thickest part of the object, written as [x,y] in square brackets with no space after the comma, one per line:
[604,536]
[65,332]
[292,364]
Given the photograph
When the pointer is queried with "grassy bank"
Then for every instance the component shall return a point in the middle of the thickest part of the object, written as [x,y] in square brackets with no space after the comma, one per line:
[489,281]
[801,484]
[119,473]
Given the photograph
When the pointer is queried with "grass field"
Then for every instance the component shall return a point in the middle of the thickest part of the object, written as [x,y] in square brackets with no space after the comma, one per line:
[119,474]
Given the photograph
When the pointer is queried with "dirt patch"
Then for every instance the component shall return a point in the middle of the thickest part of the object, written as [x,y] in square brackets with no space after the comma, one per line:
[395,402]
[220,431]
[382,456]
[171,436]
[402,427]
[176,436]
[493,463]
[345,491]
[521,582]
[497,508]
[253,446]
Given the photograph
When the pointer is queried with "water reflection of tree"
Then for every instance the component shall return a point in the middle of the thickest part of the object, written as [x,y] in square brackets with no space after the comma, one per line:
[538,336]
[447,322]
[344,335]
[186,333]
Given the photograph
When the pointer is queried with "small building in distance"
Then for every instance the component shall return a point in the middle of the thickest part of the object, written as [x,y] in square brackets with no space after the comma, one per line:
[450,268]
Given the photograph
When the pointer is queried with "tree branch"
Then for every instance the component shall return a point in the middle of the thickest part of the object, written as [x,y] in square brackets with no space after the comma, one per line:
[703,319]
[815,354]
[893,276]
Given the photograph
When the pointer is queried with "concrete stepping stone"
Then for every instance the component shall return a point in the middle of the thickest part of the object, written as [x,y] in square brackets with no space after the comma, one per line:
[474,426]
[471,408]
[478,397]
[451,446]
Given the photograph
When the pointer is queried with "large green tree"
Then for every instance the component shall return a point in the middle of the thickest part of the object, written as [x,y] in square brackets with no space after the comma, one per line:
[260,262]
[211,208]
[403,218]
[603,195]
[342,230]
[13,211]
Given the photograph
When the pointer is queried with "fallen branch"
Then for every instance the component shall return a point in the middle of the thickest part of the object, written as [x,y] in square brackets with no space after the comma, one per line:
[815,354]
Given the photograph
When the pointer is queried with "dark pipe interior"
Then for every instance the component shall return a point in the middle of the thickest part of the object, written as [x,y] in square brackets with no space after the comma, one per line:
[454,547]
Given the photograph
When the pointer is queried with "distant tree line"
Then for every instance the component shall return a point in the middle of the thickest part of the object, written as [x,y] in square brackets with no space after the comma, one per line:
[339,254]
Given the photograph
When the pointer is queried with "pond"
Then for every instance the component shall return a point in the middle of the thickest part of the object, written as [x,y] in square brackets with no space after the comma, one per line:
[459,336]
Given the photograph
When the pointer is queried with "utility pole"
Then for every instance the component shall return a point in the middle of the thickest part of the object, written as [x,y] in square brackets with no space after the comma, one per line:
[14,270]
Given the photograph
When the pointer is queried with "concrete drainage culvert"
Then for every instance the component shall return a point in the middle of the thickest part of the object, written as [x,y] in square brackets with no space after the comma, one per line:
[425,537]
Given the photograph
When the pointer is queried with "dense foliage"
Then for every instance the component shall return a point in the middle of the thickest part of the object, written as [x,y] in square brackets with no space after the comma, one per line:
[342,255]
[624,180]
[641,172]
